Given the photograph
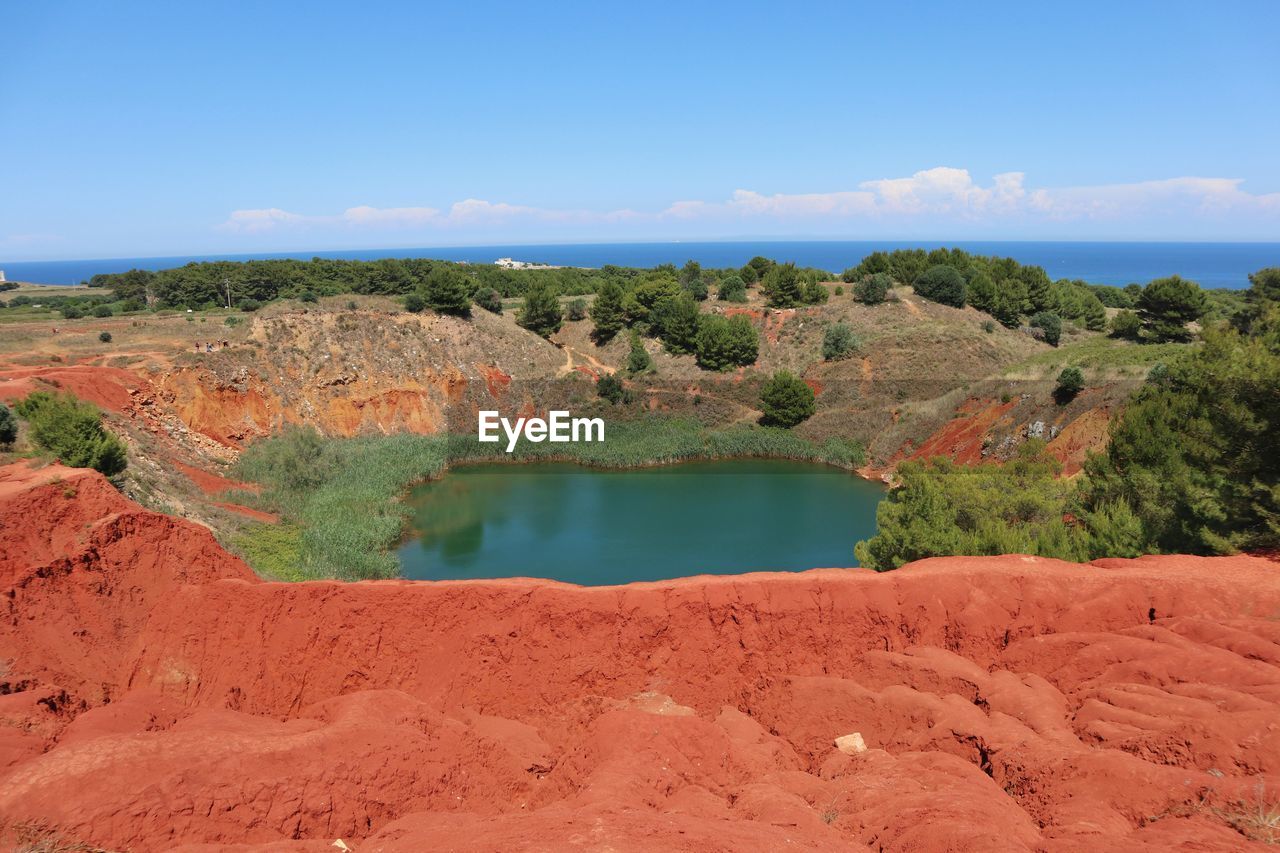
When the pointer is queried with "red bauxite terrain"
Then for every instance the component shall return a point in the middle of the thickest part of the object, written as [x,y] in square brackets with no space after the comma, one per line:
[157,696]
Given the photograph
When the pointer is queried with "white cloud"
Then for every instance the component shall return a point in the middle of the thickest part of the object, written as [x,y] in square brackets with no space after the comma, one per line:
[939,197]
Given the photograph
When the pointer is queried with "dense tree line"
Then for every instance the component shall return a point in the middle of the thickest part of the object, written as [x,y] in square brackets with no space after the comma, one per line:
[1192,465]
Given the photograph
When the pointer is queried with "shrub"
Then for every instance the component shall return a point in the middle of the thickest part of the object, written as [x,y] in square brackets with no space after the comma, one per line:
[248,305]
[726,342]
[638,360]
[489,299]
[697,288]
[851,275]
[541,312]
[813,293]
[786,400]
[749,275]
[839,290]
[1126,324]
[351,305]
[609,387]
[102,311]
[232,321]
[414,303]
[71,312]
[1050,324]
[873,289]
[73,431]
[942,284]
[577,309]
[309,296]
[989,326]
[105,337]
[8,426]
[447,291]
[733,289]
[1070,383]
[838,342]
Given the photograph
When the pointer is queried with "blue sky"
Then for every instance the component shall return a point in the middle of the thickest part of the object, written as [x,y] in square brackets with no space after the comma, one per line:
[169,128]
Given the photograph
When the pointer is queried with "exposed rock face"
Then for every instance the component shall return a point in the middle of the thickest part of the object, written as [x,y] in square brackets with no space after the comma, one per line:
[159,697]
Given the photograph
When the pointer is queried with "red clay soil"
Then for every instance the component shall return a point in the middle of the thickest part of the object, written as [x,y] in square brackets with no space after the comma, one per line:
[160,697]
[107,387]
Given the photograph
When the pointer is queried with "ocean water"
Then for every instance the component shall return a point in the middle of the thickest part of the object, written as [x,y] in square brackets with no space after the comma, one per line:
[1210,264]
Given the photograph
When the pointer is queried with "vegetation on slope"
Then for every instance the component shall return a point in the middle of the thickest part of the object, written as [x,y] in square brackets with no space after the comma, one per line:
[1192,465]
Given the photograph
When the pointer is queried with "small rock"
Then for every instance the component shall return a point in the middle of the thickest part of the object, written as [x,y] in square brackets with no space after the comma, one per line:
[851,744]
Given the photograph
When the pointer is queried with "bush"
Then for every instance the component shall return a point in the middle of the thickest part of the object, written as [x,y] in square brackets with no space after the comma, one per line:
[71,312]
[231,321]
[786,400]
[577,309]
[851,276]
[414,303]
[609,387]
[941,284]
[351,305]
[73,431]
[839,290]
[447,291]
[697,288]
[489,299]
[733,289]
[838,342]
[726,342]
[638,360]
[1070,383]
[989,326]
[309,296]
[102,311]
[873,289]
[8,426]
[541,312]
[1050,324]
[248,305]
[105,337]
[1126,324]
[939,508]
[813,293]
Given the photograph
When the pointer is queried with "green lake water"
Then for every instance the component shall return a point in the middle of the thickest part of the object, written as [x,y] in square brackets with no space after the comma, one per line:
[593,527]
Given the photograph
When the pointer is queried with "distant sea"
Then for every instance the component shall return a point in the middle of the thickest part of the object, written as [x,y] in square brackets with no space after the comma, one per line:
[1210,264]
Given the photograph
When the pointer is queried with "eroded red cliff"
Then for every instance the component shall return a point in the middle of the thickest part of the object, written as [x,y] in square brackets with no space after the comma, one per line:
[158,696]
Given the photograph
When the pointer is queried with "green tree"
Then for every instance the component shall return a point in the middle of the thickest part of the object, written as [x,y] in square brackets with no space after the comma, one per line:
[981,292]
[749,275]
[1264,291]
[447,291]
[1126,324]
[941,284]
[838,342]
[726,342]
[786,400]
[782,286]
[1038,289]
[813,293]
[576,309]
[102,311]
[1050,324]
[104,337]
[733,289]
[73,431]
[1070,384]
[638,360]
[541,312]
[8,426]
[606,313]
[1095,314]
[1167,305]
[677,320]
[1196,452]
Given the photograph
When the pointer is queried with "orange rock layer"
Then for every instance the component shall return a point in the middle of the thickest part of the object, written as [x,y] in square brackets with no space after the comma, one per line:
[159,697]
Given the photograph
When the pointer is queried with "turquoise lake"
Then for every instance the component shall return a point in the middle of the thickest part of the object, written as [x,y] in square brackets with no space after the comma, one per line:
[594,527]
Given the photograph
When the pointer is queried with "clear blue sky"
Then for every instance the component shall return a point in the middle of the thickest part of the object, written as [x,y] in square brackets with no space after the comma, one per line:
[163,128]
